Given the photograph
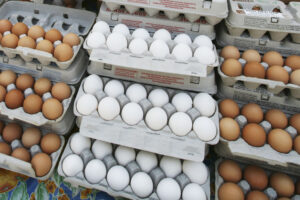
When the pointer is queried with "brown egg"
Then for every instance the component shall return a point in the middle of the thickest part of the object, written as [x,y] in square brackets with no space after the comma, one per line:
[256,195]
[11,132]
[277,118]
[298,187]
[41,163]
[27,42]
[33,104]
[5,25]
[254,135]
[31,136]
[278,73]
[52,109]
[7,77]
[293,62]
[19,29]
[295,77]
[230,191]
[72,39]
[5,148]
[63,52]
[53,35]
[24,81]
[42,85]
[251,55]
[256,177]
[295,122]
[253,113]
[21,153]
[254,69]
[230,171]
[297,144]
[230,52]
[50,143]
[45,45]
[2,125]
[14,99]
[36,32]
[232,67]
[10,41]
[280,140]
[282,184]
[273,58]
[229,129]
[229,108]
[2,93]
[61,91]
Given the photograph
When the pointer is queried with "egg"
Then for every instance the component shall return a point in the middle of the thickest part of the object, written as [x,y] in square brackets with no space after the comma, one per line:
[230,191]
[45,45]
[158,97]
[21,153]
[116,42]
[79,143]
[95,171]
[254,69]
[101,27]
[171,166]
[140,33]
[114,88]
[86,104]
[42,85]
[41,163]
[197,172]
[282,184]
[180,123]
[63,52]
[203,40]
[295,122]
[5,25]
[182,52]
[24,81]
[7,77]
[168,188]
[36,32]
[277,73]
[53,35]
[14,99]
[230,171]
[193,191]
[256,177]
[162,34]
[117,178]
[11,132]
[27,42]
[136,92]
[256,195]
[5,148]
[2,93]
[229,129]
[52,109]
[251,55]
[205,55]
[61,91]
[205,104]
[72,165]
[183,38]
[122,29]
[230,52]
[254,135]
[297,144]
[32,104]
[253,113]
[141,184]
[156,118]
[229,108]
[127,113]
[293,61]
[92,84]
[124,155]
[280,140]
[50,143]
[182,102]
[273,58]
[71,39]
[231,67]
[10,41]
[295,77]
[101,149]
[95,40]
[31,136]
[109,108]
[277,118]
[159,49]
[147,161]
[138,46]
[205,128]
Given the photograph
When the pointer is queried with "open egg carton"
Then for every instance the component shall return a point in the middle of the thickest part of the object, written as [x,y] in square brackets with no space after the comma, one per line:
[261,16]
[140,136]
[245,186]
[65,20]
[140,19]
[156,175]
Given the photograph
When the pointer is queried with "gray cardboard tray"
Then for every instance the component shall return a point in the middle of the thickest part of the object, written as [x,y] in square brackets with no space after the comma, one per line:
[80,180]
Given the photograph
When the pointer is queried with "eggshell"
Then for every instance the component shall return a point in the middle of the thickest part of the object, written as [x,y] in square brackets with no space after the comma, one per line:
[251,55]
[253,113]
[230,191]
[5,148]
[19,29]
[42,85]
[254,135]
[273,58]
[50,143]
[24,81]
[277,73]
[45,45]
[256,177]
[280,140]
[293,61]
[232,67]
[41,163]
[10,41]
[61,91]
[31,136]
[36,32]
[52,109]
[2,93]
[229,108]
[21,153]
[295,77]
[230,52]
[230,171]
[295,122]
[32,104]
[27,42]
[71,39]
[7,77]
[5,25]
[63,52]
[257,195]
[11,132]
[254,69]
[229,129]
[14,99]
[53,35]
[277,118]
[282,184]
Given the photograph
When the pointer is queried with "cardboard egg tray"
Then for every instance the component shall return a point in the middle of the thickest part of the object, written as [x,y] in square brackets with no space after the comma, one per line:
[139,136]
[66,20]
[264,155]
[156,175]
[279,24]
[269,191]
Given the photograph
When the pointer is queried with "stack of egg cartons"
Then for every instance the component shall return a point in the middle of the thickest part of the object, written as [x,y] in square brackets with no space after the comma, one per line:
[38,90]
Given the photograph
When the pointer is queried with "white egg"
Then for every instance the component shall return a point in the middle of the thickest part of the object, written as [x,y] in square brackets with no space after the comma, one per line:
[141,184]
[180,123]
[116,42]
[101,149]
[159,49]
[92,84]
[183,38]
[95,171]
[124,155]
[118,178]
[136,92]
[109,108]
[101,27]
[132,113]
[86,104]
[203,40]
[182,102]
[156,118]
[121,28]
[114,88]
[205,55]
[193,191]
[158,97]
[171,166]
[205,128]
[182,52]
[162,34]
[141,33]
[196,171]
[79,143]
[168,189]
[146,160]
[95,40]
[205,104]
[72,165]
[138,46]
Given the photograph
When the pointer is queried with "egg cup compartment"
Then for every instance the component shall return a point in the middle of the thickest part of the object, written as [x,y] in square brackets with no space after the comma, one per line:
[156,175]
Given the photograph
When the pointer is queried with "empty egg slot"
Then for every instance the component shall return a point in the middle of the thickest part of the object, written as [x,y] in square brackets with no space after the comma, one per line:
[66,26]
[81,29]
[66,16]
[20,18]
[34,21]
[36,12]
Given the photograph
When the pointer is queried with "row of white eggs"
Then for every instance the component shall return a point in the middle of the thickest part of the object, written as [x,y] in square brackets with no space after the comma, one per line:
[141,182]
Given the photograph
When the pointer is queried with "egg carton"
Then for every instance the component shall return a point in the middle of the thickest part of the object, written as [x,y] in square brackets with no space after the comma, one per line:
[156,175]
[139,136]
[244,42]
[140,19]
[269,191]
[66,20]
